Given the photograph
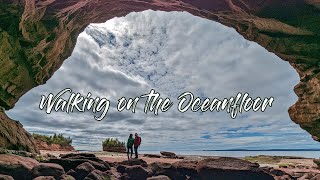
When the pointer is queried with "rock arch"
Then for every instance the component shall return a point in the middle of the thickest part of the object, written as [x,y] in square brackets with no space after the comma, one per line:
[37,36]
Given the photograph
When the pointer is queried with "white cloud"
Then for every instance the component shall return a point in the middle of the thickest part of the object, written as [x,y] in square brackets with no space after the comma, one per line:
[172,53]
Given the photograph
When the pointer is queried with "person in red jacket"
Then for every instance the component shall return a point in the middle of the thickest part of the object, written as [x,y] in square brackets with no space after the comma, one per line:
[136,144]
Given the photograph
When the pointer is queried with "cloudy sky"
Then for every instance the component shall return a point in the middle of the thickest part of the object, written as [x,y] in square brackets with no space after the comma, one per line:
[171,53]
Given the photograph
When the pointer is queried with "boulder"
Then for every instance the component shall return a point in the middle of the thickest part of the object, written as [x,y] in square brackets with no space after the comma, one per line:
[230,168]
[5,177]
[161,177]
[137,172]
[121,168]
[168,154]
[77,155]
[66,177]
[133,162]
[83,170]
[44,178]
[152,155]
[71,172]
[86,156]
[47,169]
[16,166]
[188,168]
[70,163]
[98,175]
[167,169]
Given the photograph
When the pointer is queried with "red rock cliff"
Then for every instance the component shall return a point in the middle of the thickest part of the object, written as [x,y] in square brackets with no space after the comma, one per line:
[41,145]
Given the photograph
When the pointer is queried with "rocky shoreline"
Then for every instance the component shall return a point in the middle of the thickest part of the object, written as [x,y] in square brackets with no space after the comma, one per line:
[94,166]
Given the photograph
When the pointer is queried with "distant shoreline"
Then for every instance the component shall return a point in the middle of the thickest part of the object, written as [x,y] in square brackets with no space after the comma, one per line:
[262,150]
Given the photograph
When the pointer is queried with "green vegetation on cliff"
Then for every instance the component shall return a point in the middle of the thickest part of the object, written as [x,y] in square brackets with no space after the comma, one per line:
[55,139]
[110,142]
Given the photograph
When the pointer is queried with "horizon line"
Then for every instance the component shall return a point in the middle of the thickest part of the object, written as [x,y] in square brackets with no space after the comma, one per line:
[261,149]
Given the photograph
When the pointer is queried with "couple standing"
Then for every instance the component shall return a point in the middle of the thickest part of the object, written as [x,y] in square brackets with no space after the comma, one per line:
[136,141]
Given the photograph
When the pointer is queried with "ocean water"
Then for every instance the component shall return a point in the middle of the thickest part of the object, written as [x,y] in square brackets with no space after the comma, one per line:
[307,154]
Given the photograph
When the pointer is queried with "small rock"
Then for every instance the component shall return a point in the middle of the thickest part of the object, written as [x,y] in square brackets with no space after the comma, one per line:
[152,155]
[168,154]
[283,166]
[50,155]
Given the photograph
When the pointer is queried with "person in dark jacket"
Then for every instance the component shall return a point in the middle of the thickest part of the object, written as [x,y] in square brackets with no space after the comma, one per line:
[129,146]
[137,142]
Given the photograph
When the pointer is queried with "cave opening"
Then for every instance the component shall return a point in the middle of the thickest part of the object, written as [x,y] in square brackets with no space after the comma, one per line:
[172,52]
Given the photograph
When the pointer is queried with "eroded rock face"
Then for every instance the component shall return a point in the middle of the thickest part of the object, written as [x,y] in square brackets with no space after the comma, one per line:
[37,36]
[14,136]
[41,145]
